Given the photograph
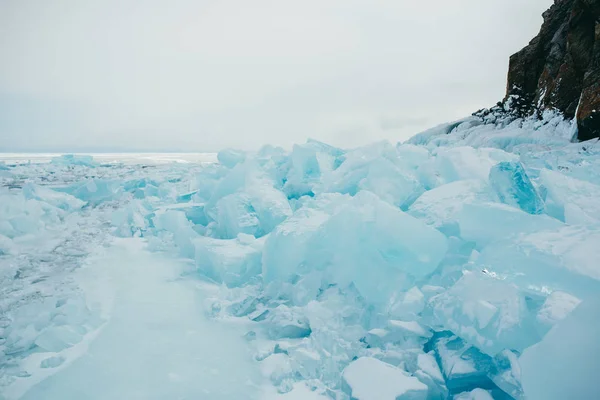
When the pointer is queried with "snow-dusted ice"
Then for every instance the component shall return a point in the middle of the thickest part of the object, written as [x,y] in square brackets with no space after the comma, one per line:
[459,265]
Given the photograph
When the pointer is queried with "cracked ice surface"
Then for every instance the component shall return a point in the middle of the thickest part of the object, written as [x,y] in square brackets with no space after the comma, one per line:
[460,265]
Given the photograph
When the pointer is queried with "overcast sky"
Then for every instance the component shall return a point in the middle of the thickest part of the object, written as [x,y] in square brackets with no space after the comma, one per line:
[199,75]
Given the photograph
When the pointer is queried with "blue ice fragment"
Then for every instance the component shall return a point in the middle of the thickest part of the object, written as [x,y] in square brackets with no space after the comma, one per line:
[55,198]
[286,322]
[513,187]
[186,197]
[230,157]
[72,159]
[464,367]
[95,191]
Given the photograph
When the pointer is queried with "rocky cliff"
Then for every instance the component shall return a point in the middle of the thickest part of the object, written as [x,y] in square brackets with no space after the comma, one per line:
[560,68]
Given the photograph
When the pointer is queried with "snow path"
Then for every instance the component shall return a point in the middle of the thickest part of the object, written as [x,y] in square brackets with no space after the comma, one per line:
[157,343]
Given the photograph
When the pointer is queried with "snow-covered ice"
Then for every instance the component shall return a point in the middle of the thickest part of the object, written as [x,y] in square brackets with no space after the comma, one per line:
[156,342]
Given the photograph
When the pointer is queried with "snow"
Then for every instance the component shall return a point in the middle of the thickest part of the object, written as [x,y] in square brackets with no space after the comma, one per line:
[150,347]
[558,306]
[475,394]
[570,199]
[370,379]
[462,264]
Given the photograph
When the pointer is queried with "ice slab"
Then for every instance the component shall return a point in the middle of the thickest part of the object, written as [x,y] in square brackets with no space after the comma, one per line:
[370,379]
[563,258]
[307,165]
[459,163]
[73,159]
[230,157]
[95,191]
[474,222]
[489,313]
[569,199]
[378,169]
[565,363]
[464,367]
[233,262]
[176,224]
[557,306]
[60,200]
[364,231]
[513,187]
[439,207]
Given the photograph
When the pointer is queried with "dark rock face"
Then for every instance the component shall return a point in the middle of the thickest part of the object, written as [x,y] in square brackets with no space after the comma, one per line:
[560,68]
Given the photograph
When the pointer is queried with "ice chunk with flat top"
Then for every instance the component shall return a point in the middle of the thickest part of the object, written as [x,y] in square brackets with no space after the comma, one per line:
[513,187]
[75,159]
[365,231]
[564,258]
[489,313]
[233,261]
[308,164]
[571,200]
[565,364]
[20,216]
[176,223]
[412,156]
[95,191]
[464,367]
[370,379]
[556,308]
[60,200]
[439,207]
[484,223]
[408,305]
[459,163]
[430,374]
[375,168]
[246,201]
[287,322]
[287,246]
[270,204]
[231,157]
[235,215]
[133,219]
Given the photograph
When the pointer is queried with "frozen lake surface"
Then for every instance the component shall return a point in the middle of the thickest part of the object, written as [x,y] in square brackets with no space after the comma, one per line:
[157,343]
[126,158]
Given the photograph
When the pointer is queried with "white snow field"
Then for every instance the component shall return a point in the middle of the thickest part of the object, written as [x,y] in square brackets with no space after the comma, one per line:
[462,264]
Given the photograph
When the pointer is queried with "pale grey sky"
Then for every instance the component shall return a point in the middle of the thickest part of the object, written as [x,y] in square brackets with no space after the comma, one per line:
[199,75]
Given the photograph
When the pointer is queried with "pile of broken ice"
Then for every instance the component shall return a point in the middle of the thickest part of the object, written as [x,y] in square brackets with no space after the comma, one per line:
[409,271]
[463,264]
